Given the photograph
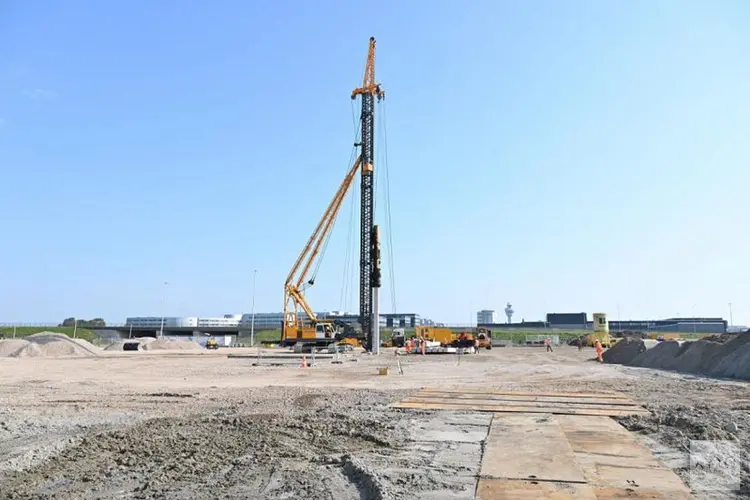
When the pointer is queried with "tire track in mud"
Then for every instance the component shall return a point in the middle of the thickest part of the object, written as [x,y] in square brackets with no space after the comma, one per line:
[243,456]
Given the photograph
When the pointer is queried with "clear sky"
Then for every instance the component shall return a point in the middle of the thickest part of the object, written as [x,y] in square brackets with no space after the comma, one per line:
[565,156]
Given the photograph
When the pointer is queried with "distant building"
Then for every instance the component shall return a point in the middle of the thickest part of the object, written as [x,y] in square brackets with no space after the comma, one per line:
[402,320]
[269,321]
[228,320]
[486,316]
[672,325]
[567,321]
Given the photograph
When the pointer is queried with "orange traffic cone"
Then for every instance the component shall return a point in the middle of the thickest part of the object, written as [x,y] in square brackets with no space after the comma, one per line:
[304,362]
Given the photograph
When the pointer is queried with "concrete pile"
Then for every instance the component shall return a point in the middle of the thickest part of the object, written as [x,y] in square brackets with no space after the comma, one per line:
[47,344]
[722,359]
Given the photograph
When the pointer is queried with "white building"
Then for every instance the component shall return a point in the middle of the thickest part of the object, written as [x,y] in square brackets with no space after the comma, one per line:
[486,316]
[271,321]
[228,320]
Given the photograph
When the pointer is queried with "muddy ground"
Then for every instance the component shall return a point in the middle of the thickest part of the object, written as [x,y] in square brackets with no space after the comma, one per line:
[144,425]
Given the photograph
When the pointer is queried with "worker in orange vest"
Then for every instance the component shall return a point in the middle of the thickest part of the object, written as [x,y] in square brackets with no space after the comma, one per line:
[599,351]
[548,343]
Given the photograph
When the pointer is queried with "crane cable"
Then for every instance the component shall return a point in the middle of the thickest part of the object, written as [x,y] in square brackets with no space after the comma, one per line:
[388,218]
[347,288]
[328,236]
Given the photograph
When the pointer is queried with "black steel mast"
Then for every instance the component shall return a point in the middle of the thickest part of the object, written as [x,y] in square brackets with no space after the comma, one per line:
[369,271]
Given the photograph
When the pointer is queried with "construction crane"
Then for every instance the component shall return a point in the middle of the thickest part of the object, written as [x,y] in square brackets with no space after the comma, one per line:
[319,330]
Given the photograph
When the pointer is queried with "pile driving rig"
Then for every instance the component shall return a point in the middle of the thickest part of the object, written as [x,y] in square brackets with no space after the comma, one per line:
[300,323]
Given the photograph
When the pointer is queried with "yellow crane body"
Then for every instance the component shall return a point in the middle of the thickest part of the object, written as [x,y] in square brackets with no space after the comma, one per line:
[316,330]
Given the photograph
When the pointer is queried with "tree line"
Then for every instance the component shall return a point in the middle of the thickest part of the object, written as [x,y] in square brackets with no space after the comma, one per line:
[84,323]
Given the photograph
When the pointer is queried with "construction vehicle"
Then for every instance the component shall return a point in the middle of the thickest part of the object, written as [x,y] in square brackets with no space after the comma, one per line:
[212,344]
[484,336]
[300,323]
[601,332]
[398,338]
[445,336]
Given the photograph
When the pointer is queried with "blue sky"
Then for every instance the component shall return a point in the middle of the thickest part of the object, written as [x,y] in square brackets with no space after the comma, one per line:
[564,156]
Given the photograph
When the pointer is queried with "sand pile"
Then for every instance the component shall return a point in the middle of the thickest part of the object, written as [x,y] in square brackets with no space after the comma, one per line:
[11,346]
[171,345]
[47,344]
[723,359]
[30,350]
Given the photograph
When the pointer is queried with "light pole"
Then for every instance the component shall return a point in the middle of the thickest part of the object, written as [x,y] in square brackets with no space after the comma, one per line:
[694,320]
[730,314]
[163,301]
[619,322]
[75,327]
[252,311]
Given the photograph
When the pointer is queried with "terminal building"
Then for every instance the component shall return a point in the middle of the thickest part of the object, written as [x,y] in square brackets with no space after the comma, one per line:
[268,321]
[580,321]
[228,320]
[486,316]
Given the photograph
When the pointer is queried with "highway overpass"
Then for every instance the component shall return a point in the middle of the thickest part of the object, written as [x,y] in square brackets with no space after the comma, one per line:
[126,331]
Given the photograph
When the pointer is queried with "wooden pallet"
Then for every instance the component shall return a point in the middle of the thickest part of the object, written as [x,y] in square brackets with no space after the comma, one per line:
[606,405]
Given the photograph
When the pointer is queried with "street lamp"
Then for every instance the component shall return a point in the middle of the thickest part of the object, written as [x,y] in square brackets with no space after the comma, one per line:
[694,321]
[252,312]
[163,301]
[730,314]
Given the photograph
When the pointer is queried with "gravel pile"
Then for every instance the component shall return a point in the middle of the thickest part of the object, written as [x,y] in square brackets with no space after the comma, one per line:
[47,344]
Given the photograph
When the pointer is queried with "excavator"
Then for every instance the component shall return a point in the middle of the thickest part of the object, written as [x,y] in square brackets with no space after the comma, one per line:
[300,324]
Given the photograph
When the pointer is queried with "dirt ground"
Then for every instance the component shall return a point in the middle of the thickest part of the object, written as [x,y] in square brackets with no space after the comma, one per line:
[201,425]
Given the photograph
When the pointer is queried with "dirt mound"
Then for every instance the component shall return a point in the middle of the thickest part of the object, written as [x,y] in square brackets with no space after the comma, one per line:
[724,359]
[721,338]
[733,359]
[30,350]
[171,345]
[662,356]
[88,346]
[624,351]
[9,347]
[47,344]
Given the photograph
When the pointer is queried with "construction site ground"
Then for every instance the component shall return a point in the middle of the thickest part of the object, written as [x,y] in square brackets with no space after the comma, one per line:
[202,425]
